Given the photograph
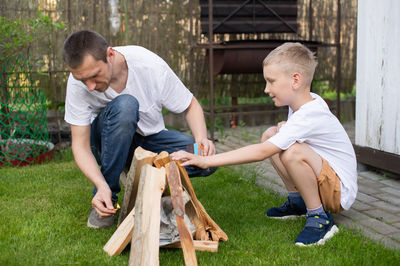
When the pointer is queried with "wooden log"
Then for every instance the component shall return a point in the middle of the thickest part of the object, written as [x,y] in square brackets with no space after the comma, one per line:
[140,158]
[206,228]
[122,178]
[162,159]
[121,237]
[175,185]
[146,230]
[210,246]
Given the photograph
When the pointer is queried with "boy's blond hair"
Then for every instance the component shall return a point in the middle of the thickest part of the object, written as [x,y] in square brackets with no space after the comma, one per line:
[294,57]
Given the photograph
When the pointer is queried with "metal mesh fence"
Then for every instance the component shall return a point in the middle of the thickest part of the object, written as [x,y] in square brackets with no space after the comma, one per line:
[24,137]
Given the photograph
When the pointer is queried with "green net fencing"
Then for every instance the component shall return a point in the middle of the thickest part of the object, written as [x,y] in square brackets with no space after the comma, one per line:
[24,137]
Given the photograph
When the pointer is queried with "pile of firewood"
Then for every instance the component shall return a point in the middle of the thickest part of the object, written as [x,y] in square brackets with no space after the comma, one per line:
[139,220]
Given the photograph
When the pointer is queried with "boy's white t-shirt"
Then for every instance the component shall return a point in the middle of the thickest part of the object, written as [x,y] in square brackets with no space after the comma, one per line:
[150,80]
[316,126]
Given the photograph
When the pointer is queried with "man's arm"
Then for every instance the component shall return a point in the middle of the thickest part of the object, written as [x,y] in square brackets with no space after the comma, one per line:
[195,118]
[247,154]
[87,163]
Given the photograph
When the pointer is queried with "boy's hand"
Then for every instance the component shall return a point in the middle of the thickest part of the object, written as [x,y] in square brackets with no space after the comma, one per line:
[271,131]
[189,159]
[268,133]
[280,124]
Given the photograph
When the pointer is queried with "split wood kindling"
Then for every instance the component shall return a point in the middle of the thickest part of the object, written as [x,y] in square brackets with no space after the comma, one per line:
[139,221]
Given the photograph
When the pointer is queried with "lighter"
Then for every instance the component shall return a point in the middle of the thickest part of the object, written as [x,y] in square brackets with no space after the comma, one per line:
[196,149]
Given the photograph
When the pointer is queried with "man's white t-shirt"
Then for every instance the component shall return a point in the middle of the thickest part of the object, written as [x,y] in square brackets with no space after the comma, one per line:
[315,125]
[150,80]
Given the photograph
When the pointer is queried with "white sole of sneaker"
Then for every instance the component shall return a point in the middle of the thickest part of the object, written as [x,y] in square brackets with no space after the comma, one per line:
[289,217]
[91,225]
[322,241]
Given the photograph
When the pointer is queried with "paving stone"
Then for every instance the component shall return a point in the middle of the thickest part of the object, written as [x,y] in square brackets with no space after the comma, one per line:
[360,206]
[366,231]
[395,200]
[361,196]
[390,243]
[396,236]
[355,215]
[387,207]
[386,241]
[277,180]
[342,220]
[268,168]
[369,189]
[269,185]
[383,216]
[255,135]
[393,191]
[395,183]
[272,176]
[379,226]
[370,175]
[222,147]
[396,225]
[369,233]
[370,183]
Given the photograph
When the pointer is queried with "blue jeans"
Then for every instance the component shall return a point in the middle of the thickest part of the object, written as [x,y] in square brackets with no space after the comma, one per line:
[115,127]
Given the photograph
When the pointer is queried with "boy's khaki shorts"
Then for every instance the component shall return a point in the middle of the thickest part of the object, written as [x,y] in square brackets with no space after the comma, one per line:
[329,188]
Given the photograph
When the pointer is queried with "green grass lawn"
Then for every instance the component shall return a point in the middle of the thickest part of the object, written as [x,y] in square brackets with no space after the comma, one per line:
[44,209]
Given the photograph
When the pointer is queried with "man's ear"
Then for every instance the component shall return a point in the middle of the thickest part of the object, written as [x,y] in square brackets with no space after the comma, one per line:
[110,54]
[297,80]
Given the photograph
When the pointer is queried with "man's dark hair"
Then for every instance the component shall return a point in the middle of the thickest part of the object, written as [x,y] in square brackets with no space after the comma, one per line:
[83,42]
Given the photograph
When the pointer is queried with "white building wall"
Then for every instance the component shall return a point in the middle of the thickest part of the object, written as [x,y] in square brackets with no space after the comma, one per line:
[378,75]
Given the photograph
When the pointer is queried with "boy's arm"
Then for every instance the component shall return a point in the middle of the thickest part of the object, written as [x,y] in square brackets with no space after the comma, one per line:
[247,154]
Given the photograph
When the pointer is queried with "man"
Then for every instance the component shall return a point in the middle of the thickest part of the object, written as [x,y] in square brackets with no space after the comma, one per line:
[113,103]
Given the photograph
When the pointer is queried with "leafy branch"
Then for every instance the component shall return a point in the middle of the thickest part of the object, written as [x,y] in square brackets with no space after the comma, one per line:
[17,35]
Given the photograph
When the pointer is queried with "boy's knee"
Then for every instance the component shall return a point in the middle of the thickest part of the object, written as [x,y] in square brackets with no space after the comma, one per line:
[292,154]
[269,133]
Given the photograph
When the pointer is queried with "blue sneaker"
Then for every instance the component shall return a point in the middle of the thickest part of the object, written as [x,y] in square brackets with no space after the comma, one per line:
[288,210]
[317,231]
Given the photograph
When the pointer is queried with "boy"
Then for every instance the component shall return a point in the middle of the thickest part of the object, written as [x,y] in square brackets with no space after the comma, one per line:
[310,151]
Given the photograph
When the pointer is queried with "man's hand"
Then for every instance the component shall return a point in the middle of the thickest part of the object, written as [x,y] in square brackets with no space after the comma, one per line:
[208,145]
[189,159]
[102,203]
[195,119]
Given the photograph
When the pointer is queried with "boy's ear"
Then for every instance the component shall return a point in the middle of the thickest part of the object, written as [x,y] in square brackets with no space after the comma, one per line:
[297,80]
